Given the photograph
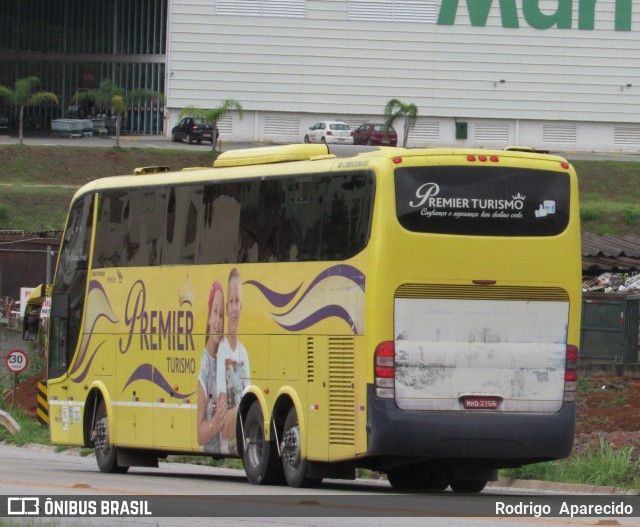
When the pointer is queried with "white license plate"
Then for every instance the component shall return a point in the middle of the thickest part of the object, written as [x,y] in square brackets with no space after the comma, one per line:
[475,402]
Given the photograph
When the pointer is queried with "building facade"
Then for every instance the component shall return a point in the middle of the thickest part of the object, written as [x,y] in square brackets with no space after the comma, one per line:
[552,74]
[71,45]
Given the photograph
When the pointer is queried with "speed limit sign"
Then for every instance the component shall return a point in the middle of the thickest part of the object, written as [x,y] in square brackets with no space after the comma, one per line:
[16,361]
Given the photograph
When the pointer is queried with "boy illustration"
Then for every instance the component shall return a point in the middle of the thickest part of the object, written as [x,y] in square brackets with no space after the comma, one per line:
[233,365]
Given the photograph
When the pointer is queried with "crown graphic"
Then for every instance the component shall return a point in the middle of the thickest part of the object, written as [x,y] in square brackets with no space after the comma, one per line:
[185,295]
[519,196]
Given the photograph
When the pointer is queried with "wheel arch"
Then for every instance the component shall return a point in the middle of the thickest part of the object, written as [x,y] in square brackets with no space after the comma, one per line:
[251,394]
[286,399]
[97,393]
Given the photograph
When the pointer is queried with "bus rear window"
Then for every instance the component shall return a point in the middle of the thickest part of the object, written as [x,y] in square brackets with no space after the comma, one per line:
[482,201]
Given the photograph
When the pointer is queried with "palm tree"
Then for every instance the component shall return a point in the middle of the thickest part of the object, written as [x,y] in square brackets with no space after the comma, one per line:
[111,97]
[396,109]
[212,115]
[23,95]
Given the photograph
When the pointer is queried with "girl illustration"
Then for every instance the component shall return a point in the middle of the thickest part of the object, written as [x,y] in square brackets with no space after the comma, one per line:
[212,406]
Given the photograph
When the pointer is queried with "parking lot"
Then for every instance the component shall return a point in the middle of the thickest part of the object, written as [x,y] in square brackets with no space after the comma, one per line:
[153,141]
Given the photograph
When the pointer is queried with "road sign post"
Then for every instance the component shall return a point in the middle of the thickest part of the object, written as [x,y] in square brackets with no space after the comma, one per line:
[16,361]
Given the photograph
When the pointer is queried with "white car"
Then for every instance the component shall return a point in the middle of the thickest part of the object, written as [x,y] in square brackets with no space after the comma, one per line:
[335,132]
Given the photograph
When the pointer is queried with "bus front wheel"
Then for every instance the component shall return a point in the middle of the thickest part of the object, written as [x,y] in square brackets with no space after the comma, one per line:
[295,468]
[259,456]
[106,453]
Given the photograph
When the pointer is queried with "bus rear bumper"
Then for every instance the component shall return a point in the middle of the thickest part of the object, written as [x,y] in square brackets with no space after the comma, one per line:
[503,439]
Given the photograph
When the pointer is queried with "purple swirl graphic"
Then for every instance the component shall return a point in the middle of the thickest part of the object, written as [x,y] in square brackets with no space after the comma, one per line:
[84,373]
[95,287]
[274,298]
[321,314]
[315,295]
[147,372]
[344,271]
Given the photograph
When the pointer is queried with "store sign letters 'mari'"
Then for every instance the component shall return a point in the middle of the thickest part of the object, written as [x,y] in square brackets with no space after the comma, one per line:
[534,15]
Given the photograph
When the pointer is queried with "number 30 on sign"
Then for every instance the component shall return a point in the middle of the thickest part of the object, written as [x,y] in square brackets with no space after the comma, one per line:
[16,361]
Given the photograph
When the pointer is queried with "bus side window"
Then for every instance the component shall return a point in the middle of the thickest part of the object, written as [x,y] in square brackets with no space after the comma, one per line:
[219,236]
[181,229]
[302,217]
[67,304]
[59,335]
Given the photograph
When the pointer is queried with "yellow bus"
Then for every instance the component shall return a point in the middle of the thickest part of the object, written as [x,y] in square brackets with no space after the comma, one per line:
[311,311]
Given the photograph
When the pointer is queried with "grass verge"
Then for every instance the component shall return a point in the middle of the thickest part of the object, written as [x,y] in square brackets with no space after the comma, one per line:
[602,467]
[30,430]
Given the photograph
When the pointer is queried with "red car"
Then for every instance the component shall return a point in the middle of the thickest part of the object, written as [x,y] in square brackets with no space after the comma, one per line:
[375,134]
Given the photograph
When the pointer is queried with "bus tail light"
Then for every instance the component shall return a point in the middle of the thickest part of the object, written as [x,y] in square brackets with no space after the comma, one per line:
[384,370]
[571,374]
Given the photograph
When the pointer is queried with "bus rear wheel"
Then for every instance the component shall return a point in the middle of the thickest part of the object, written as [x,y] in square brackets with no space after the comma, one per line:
[461,485]
[259,456]
[106,453]
[418,479]
[295,468]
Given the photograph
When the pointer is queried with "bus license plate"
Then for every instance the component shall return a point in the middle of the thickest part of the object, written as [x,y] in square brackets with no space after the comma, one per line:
[476,402]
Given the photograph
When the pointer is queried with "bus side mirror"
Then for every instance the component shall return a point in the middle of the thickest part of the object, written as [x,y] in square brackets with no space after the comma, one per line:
[31,323]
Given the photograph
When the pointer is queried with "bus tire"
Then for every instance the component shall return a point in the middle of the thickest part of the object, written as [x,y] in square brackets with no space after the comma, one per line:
[295,468]
[418,478]
[405,478]
[106,453]
[259,456]
[462,485]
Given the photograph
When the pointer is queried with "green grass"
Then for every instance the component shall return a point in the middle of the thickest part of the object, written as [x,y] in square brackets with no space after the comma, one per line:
[609,196]
[603,466]
[30,430]
[207,461]
[587,384]
[618,401]
[609,190]
[38,182]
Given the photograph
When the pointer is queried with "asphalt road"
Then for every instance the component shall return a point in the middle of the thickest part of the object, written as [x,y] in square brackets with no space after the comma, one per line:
[222,497]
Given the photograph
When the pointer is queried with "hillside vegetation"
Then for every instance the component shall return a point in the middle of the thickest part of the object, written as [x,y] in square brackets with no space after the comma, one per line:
[38,182]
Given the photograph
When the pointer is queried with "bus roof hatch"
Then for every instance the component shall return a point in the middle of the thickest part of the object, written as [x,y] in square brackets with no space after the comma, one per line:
[150,170]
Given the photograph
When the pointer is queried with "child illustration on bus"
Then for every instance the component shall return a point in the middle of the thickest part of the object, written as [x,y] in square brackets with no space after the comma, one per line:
[233,364]
[212,405]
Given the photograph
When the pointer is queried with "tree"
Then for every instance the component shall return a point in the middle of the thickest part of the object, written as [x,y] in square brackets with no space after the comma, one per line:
[212,115]
[23,95]
[112,98]
[396,109]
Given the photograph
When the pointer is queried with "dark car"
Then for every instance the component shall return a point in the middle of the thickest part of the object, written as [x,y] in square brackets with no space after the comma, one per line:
[4,122]
[375,134]
[191,130]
